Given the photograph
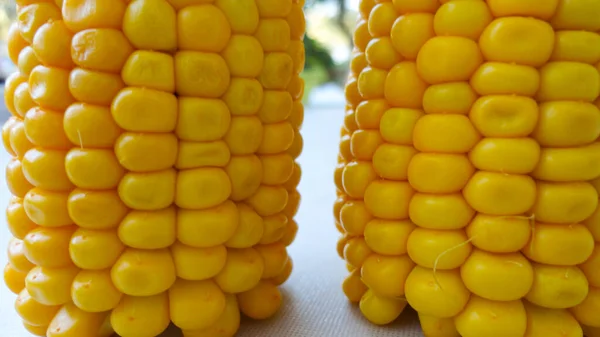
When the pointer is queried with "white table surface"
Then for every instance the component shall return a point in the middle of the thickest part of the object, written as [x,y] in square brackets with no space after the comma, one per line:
[314,304]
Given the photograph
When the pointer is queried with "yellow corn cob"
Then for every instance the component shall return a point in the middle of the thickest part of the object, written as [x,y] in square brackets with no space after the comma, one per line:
[468,173]
[153,171]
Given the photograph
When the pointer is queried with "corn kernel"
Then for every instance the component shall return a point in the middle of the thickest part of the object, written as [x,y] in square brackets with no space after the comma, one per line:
[560,245]
[202,28]
[72,321]
[386,275]
[156,267]
[14,279]
[277,71]
[576,15]
[467,19]
[433,211]
[15,42]
[261,301]
[93,291]
[564,203]
[201,74]
[52,45]
[148,230]
[568,81]
[101,49]
[499,194]
[145,110]
[403,86]
[149,69]
[381,19]
[251,64]
[380,310]
[495,78]
[16,256]
[186,259]
[46,169]
[95,249]
[18,184]
[227,324]
[93,168]
[542,9]
[507,317]
[49,87]
[425,246]
[32,312]
[19,224]
[242,15]
[269,200]
[448,59]
[208,227]
[27,61]
[243,270]
[148,191]
[88,126]
[195,304]
[96,209]
[506,155]
[11,84]
[439,173]
[48,209]
[548,281]
[51,286]
[452,98]
[196,154]
[249,231]
[245,173]
[448,293]
[84,14]
[84,85]
[22,100]
[504,116]
[576,46]
[31,17]
[136,315]
[146,152]
[150,24]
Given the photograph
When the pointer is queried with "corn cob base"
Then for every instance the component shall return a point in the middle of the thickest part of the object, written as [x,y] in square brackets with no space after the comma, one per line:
[153,171]
[469,164]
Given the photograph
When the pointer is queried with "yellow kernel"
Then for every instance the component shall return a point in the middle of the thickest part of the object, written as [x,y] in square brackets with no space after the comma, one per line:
[52,45]
[202,154]
[439,173]
[444,133]
[28,60]
[356,251]
[504,116]
[18,139]
[427,247]
[564,203]
[148,191]
[297,22]
[245,173]
[410,32]
[462,18]
[274,257]
[147,315]
[269,200]
[227,324]
[356,178]
[380,310]
[93,291]
[202,119]
[49,87]
[361,36]
[90,126]
[445,59]
[364,143]
[369,113]
[386,275]
[51,286]
[277,169]
[273,34]
[16,256]
[243,270]
[557,287]
[449,98]
[580,15]
[151,25]
[14,279]
[388,199]
[437,327]
[371,84]
[148,69]
[541,9]
[208,227]
[244,96]
[545,322]
[576,46]
[403,86]
[584,311]
[358,63]
[248,66]
[95,249]
[568,164]
[354,217]
[101,49]
[277,138]
[48,209]
[201,74]
[561,245]
[495,78]
[482,317]
[83,14]
[351,92]
[260,302]
[250,228]
[202,188]
[568,81]
[392,161]
[72,321]
[195,304]
[499,234]
[17,182]
[506,155]
[96,209]
[242,15]
[276,106]
[380,53]
[17,220]
[94,87]
[381,19]
[45,169]
[31,17]
[93,168]
[442,294]
[156,267]
[277,71]
[500,194]
[15,43]
[202,28]
[145,110]
[435,211]
[146,152]
[32,312]
[148,229]
[22,100]
[245,135]
[187,259]
[49,247]
[365,8]
[567,124]
[411,6]
[11,84]
[296,88]
[388,237]
[397,125]
[590,267]
[353,286]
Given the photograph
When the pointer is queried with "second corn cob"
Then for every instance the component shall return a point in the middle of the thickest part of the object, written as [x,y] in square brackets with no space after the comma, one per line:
[153,176]
[468,175]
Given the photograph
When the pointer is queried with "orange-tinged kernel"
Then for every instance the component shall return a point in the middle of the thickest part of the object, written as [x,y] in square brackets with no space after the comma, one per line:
[15,42]
[356,178]
[18,139]
[403,86]
[187,258]
[202,154]
[22,100]
[297,22]
[439,173]
[94,87]
[96,209]
[388,199]
[364,143]
[577,46]
[345,148]
[17,221]
[412,6]
[49,247]
[590,268]
[147,315]
[500,194]
[369,113]
[245,174]
[277,138]
[72,321]
[380,310]
[84,14]
[245,135]
[296,176]
[93,168]
[31,17]
[16,256]
[584,312]
[269,200]
[252,306]
[14,279]
[149,69]
[49,87]
[201,74]
[388,237]
[145,110]
[273,34]
[276,106]
[274,257]
[93,291]
[243,270]
[101,49]
[289,235]
[155,267]
[482,317]
[567,124]
[48,209]
[564,203]
[148,229]
[361,36]
[533,48]
[242,15]
[148,191]
[342,242]
[433,211]
[354,217]
[462,18]
[6,131]
[179,4]
[353,96]
[95,249]
[45,169]
[151,25]
[449,98]
[297,145]
[496,78]
[195,305]
[506,155]
[397,125]
[52,45]
[445,59]
[499,234]
[252,62]
[440,294]
[244,96]
[568,81]
[273,8]
[560,245]
[277,71]
[568,164]
[17,182]
[146,152]
[202,28]
[372,83]
[380,53]
[426,248]
[579,15]
[51,286]
[44,128]
[28,60]
[498,277]
[386,275]
[358,63]
[365,7]
[504,116]
[444,133]
[381,19]
[11,84]
[410,32]
[202,188]
[292,207]
[298,53]
[32,312]
[208,227]
[277,168]
[392,161]
[541,9]
[296,87]
[89,126]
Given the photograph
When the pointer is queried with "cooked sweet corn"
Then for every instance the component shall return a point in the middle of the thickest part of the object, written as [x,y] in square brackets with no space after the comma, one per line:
[153,171]
[467,172]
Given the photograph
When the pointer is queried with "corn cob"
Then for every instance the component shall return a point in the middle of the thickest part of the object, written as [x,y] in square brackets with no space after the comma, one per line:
[153,172]
[468,173]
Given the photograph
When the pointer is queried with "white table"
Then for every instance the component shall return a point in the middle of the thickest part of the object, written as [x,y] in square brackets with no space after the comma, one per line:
[314,305]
